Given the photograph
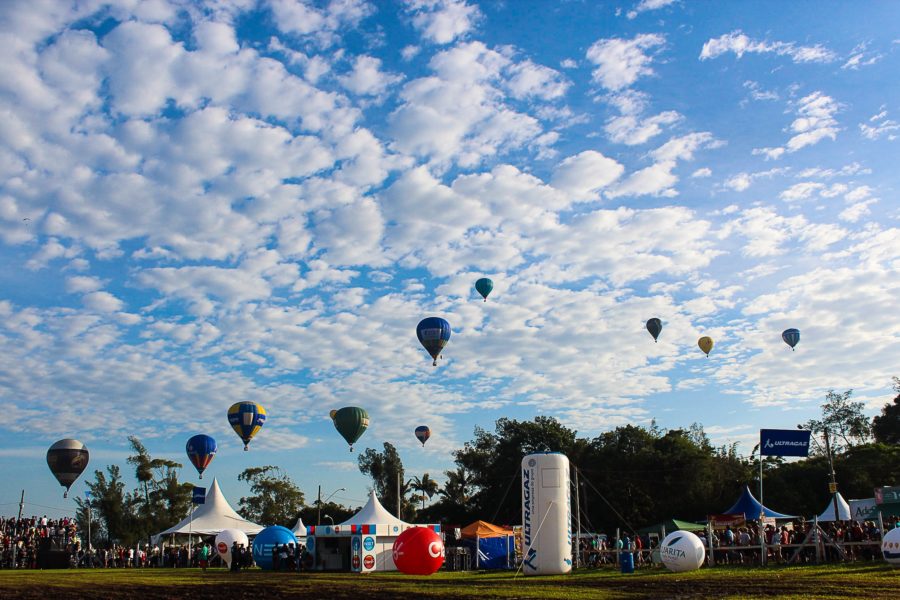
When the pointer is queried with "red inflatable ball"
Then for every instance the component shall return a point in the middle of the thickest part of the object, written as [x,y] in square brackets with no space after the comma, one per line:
[418,551]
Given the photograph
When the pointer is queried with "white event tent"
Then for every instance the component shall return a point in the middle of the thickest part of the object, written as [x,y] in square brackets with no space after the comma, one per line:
[362,543]
[844,513]
[211,517]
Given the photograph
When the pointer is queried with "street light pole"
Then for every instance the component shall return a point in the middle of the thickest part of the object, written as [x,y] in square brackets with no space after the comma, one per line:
[319,504]
[833,486]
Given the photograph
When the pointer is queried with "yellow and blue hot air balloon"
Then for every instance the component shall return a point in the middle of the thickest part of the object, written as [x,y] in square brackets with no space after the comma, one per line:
[201,449]
[433,334]
[791,337]
[246,419]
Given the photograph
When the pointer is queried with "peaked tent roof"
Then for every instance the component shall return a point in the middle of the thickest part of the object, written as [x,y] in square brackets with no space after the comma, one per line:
[299,529]
[750,507]
[483,529]
[671,525]
[843,509]
[214,515]
[373,513]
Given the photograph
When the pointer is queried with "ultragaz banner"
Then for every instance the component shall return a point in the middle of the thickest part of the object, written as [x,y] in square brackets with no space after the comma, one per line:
[784,442]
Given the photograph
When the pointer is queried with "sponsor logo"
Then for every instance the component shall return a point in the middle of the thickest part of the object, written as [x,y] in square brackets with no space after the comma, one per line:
[369,543]
[436,549]
[356,544]
[223,548]
[355,562]
[782,443]
[526,506]
[369,561]
[529,561]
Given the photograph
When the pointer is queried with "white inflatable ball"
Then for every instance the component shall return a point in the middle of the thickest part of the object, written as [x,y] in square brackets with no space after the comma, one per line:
[890,547]
[224,541]
[682,551]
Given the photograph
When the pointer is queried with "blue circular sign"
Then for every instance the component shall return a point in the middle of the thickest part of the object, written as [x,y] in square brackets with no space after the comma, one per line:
[369,544]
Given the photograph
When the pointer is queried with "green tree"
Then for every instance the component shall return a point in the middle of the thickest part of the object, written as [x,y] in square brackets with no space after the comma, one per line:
[386,470]
[112,505]
[166,501]
[426,486]
[276,500]
[886,426]
[844,422]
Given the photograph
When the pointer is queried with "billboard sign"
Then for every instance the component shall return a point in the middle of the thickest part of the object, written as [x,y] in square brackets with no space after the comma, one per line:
[784,442]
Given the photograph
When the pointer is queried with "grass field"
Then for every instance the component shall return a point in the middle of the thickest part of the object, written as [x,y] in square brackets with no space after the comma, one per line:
[831,581]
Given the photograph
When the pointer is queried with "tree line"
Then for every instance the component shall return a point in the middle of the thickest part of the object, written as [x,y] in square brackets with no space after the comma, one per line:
[629,477]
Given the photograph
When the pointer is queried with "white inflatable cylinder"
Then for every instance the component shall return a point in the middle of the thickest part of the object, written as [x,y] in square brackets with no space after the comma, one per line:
[546,514]
[224,540]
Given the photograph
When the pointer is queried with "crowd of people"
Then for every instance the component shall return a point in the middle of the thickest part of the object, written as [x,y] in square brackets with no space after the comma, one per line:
[20,539]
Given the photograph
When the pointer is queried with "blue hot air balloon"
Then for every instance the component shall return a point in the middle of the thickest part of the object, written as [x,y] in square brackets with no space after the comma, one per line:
[791,337]
[200,450]
[433,334]
[423,433]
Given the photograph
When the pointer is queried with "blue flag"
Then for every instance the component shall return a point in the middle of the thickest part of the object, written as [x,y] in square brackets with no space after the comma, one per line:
[784,442]
[199,496]
[87,495]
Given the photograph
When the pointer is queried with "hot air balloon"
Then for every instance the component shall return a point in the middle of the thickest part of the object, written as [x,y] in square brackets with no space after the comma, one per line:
[484,287]
[706,344]
[246,419]
[67,460]
[200,450]
[654,326]
[433,334]
[351,422]
[423,433]
[791,337]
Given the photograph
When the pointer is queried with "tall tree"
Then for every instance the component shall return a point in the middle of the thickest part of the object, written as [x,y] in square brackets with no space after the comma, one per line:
[886,426]
[112,505]
[843,421]
[426,486]
[276,500]
[386,470]
[166,501]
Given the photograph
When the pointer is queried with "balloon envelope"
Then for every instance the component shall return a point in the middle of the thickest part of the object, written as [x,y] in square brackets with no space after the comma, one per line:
[706,344]
[351,422]
[484,287]
[67,460]
[224,541]
[654,326]
[791,337]
[246,418]
[418,551]
[433,334]
[423,433]
[200,450]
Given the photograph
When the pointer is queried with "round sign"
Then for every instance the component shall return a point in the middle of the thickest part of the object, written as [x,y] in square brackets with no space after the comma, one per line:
[369,561]
[223,548]
[418,551]
[890,547]
[369,543]
[682,551]
[355,561]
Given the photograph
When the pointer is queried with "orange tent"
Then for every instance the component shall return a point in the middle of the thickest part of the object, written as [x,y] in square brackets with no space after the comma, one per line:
[483,529]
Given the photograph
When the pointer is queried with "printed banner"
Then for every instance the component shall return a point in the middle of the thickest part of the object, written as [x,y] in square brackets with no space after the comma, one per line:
[722,521]
[863,510]
[199,495]
[887,495]
[783,442]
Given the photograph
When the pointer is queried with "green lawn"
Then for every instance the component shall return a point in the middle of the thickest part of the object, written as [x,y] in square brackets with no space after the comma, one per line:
[871,580]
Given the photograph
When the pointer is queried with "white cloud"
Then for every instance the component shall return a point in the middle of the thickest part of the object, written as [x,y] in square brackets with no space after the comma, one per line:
[860,57]
[631,130]
[702,172]
[645,5]
[584,174]
[658,179]
[740,44]
[815,122]
[739,182]
[443,21]
[102,302]
[620,62]
[367,78]
[304,18]
[880,125]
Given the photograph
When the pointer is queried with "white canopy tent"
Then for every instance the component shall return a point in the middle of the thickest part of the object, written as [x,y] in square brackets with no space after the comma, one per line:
[362,543]
[844,513]
[299,530]
[211,517]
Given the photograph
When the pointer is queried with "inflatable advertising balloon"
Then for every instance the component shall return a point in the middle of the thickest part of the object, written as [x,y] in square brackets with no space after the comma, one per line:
[423,433]
[484,287]
[791,337]
[225,539]
[890,547]
[706,344]
[418,551]
[67,460]
[200,450]
[268,538]
[351,422]
[682,551]
[246,418]
[654,326]
[433,334]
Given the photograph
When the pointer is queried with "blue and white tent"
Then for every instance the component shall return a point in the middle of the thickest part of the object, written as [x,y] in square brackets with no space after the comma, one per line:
[750,507]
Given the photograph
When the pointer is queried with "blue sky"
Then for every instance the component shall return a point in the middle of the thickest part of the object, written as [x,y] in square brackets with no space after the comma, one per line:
[207,202]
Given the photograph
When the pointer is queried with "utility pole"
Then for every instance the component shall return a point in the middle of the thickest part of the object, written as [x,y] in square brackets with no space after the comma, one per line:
[399,477]
[319,504]
[833,487]
[21,505]
[577,520]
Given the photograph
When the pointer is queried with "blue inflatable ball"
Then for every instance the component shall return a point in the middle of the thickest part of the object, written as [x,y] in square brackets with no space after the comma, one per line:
[266,540]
